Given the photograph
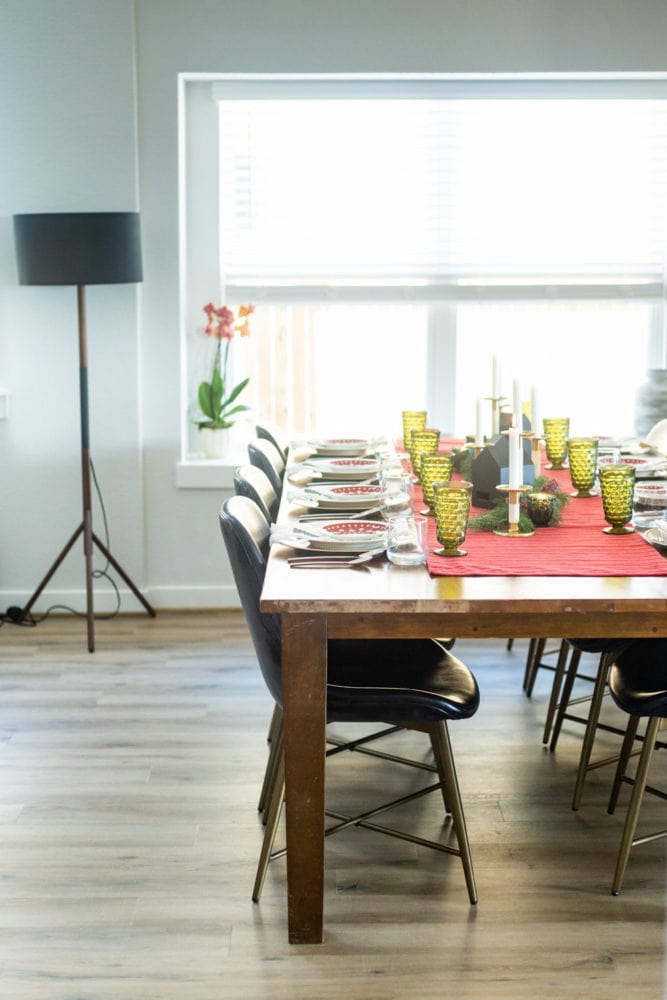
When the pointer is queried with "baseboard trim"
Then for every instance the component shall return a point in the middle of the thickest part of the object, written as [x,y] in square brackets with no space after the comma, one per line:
[105,601]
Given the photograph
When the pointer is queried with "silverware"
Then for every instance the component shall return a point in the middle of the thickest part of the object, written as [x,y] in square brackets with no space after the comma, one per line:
[333,561]
[338,516]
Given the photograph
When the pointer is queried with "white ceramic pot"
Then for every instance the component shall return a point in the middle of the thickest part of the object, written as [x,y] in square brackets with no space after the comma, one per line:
[214,441]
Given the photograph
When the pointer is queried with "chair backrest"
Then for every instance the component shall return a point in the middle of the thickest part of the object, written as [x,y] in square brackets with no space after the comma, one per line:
[249,481]
[246,533]
[265,456]
[265,434]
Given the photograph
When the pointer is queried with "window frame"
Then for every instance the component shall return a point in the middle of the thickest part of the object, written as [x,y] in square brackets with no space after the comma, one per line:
[199,260]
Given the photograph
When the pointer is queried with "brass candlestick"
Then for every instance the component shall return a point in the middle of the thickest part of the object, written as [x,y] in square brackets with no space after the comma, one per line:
[513,512]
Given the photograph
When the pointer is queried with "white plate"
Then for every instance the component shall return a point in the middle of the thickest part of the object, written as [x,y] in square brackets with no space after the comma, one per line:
[326,498]
[345,468]
[364,494]
[340,536]
[657,538]
[341,446]
[349,531]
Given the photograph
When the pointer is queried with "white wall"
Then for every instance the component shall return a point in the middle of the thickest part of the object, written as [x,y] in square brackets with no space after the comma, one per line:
[68,127]
[67,111]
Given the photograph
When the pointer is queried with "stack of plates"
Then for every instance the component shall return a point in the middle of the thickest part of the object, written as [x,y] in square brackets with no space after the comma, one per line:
[344,468]
[351,497]
[644,466]
[341,446]
[342,536]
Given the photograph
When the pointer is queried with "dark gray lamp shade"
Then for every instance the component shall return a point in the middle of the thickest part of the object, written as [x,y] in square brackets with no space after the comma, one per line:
[78,248]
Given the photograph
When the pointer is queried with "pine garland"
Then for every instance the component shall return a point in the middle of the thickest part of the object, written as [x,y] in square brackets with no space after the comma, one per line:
[496,519]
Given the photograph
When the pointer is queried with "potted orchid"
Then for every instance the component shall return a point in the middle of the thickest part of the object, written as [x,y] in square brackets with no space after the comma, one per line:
[217,401]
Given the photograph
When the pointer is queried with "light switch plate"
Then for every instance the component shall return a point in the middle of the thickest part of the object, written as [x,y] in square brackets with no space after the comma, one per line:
[4,404]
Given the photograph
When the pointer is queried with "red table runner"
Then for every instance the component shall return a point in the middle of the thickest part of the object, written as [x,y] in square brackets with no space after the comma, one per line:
[576,546]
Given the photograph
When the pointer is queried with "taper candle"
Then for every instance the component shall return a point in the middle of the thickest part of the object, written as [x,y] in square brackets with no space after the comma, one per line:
[496,377]
[517,419]
[479,424]
[515,463]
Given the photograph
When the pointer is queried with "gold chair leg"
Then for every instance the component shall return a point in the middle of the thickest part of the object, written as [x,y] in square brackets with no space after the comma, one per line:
[443,751]
[606,661]
[623,759]
[437,756]
[272,819]
[536,649]
[273,759]
[565,696]
[635,802]
[555,689]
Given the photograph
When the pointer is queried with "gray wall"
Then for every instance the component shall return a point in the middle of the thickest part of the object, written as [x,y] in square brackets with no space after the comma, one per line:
[88,114]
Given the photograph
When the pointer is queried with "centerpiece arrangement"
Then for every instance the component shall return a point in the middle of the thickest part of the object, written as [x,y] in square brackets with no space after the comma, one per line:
[217,401]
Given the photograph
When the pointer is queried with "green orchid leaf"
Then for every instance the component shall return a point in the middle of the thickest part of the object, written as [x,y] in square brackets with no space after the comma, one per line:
[217,393]
[205,400]
[236,409]
[236,391]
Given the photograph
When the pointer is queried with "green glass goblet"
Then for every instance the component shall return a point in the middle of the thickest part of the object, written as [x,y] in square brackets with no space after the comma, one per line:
[582,456]
[412,420]
[434,468]
[556,430]
[617,484]
[452,506]
[422,442]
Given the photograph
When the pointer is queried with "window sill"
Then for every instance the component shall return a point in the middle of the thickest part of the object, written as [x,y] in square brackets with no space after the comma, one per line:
[207,474]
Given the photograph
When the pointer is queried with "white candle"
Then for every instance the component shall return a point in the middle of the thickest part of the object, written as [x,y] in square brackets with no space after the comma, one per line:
[515,472]
[515,456]
[479,424]
[496,377]
[535,415]
[517,418]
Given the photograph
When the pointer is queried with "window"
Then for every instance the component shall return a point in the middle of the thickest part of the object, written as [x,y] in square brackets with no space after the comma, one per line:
[406,230]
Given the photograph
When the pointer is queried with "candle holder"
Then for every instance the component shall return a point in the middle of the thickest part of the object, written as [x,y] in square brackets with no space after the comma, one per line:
[495,413]
[535,451]
[513,495]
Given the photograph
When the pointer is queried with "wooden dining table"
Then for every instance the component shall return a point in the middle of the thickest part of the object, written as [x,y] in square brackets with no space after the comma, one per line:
[380,600]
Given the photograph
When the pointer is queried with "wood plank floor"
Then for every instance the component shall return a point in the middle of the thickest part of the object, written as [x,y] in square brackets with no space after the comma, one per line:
[129,837]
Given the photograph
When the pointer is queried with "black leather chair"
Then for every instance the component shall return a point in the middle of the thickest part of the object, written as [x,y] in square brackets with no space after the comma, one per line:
[251,482]
[265,434]
[638,685]
[415,683]
[265,456]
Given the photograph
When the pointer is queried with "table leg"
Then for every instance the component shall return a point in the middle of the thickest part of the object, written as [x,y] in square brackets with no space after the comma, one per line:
[304,663]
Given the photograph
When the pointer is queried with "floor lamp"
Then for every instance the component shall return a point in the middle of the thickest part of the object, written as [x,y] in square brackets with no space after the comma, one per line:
[80,248]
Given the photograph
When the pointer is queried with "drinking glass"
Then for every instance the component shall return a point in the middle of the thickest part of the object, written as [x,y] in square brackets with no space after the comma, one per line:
[434,468]
[617,484]
[397,491]
[422,442]
[452,506]
[582,455]
[556,430]
[412,420]
[407,540]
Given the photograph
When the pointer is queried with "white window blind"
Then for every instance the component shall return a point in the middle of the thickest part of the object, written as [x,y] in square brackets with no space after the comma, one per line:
[426,190]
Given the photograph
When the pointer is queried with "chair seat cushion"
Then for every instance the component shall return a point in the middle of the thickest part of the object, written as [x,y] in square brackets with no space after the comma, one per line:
[413,680]
[638,679]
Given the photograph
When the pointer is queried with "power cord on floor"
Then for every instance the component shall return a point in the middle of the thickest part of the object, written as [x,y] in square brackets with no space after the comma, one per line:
[14,615]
